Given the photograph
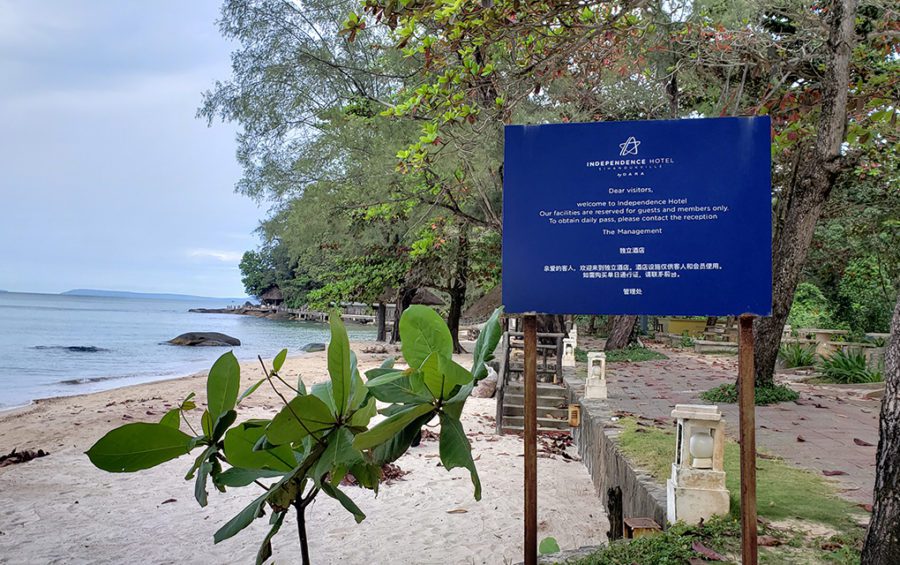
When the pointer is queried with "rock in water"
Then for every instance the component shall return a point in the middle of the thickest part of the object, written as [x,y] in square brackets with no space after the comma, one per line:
[313,347]
[205,338]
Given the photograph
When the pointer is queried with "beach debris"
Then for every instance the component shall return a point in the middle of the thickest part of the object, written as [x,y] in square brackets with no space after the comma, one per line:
[428,435]
[833,473]
[379,349]
[14,456]
[389,474]
[168,500]
[457,511]
[862,443]
[706,552]
[213,339]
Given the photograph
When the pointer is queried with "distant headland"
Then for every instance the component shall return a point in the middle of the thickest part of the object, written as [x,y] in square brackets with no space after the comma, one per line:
[148,295]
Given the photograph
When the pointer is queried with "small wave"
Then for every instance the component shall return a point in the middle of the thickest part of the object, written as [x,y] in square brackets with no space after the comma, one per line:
[73,348]
[89,380]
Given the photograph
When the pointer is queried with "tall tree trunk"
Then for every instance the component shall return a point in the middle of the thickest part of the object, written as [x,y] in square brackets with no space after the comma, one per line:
[458,287]
[380,322]
[404,299]
[620,334]
[805,197]
[882,545]
[592,325]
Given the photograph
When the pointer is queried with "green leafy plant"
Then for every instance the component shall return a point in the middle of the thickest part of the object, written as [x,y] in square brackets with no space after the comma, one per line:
[320,436]
[686,340]
[764,395]
[797,355]
[849,367]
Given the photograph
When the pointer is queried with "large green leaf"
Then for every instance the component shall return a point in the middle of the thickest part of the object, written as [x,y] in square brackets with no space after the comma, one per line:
[358,391]
[345,501]
[315,415]
[339,453]
[397,387]
[364,414]
[322,391]
[486,344]
[443,374]
[387,428]
[399,443]
[456,451]
[222,385]
[339,364]
[172,418]
[242,520]
[137,446]
[265,550]
[457,402]
[239,442]
[238,477]
[423,332]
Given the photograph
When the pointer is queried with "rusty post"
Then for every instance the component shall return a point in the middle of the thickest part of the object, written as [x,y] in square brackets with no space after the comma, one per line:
[530,376]
[747,411]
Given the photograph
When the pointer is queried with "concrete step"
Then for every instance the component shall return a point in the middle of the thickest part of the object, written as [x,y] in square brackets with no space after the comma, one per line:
[547,401]
[543,389]
[551,423]
[519,410]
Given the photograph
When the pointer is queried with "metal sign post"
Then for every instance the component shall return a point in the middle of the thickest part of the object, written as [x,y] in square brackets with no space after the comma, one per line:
[530,376]
[747,415]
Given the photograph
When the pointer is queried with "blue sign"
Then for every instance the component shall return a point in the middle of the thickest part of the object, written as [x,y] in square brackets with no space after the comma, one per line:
[669,217]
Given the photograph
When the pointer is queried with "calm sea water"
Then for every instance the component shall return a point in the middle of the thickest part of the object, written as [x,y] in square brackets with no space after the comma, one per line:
[54,345]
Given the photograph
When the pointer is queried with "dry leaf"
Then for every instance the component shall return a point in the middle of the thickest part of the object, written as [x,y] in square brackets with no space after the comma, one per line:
[833,473]
[457,511]
[706,552]
[863,443]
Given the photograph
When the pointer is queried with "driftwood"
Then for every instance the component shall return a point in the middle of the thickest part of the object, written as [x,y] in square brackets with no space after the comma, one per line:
[14,456]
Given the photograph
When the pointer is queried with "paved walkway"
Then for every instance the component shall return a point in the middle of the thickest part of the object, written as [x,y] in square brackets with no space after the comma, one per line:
[828,429]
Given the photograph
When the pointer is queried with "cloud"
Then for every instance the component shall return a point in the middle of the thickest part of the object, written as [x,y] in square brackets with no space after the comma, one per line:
[217,254]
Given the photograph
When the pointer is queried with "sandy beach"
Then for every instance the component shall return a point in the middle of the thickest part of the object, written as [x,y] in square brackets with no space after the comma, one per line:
[60,509]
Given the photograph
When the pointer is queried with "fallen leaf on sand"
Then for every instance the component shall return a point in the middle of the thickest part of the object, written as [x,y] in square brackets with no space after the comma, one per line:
[768,541]
[866,507]
[801,439]
[862,442]
[833,473]
[457,511]
[168,500]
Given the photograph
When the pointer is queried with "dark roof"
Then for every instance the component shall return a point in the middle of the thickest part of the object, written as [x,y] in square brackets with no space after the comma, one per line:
[482,308]
[273,293]
[423,296]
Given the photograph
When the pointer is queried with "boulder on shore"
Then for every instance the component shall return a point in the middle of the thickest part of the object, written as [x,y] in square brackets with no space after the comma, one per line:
[313,347]
[205,338]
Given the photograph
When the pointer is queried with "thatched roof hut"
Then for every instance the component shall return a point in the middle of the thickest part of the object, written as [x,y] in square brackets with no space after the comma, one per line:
[423,296]
[272,297]
[482,308]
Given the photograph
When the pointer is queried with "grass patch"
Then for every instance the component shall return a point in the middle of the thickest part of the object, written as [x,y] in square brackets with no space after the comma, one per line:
[783,491]
[631,354]
[728,394]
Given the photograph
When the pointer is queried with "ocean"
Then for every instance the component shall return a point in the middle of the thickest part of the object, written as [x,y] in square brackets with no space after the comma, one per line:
[60,345]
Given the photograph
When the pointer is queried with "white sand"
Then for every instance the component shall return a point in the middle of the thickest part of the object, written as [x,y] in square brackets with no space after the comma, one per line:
[60,509]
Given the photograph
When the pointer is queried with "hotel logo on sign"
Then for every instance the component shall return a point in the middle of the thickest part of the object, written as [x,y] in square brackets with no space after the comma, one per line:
[630,147]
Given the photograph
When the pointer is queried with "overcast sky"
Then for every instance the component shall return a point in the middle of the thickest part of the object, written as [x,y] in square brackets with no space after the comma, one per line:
[107,180]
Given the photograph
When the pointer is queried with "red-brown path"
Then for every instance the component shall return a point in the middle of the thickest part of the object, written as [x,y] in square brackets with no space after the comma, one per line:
[831,421]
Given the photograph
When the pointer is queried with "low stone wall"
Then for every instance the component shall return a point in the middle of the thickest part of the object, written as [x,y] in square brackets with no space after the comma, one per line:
[597,443]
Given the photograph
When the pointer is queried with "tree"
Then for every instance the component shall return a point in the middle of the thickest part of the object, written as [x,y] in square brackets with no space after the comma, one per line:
[882,544]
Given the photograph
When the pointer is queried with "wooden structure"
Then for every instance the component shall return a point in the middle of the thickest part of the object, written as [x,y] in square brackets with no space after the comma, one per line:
[552,404]
[272,297]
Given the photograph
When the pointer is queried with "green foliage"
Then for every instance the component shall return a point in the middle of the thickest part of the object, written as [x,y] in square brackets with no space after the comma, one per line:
[319,437]
[631,354]
[797,355]
[810,308]
[764,395]
[686,340]
[848,367]
[868,295]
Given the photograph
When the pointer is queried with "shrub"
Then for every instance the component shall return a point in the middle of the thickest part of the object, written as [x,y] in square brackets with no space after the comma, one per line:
[868,294]
[320,436]
[810,308]
[765,395]
[849,367]
[686,340]
[797,355]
